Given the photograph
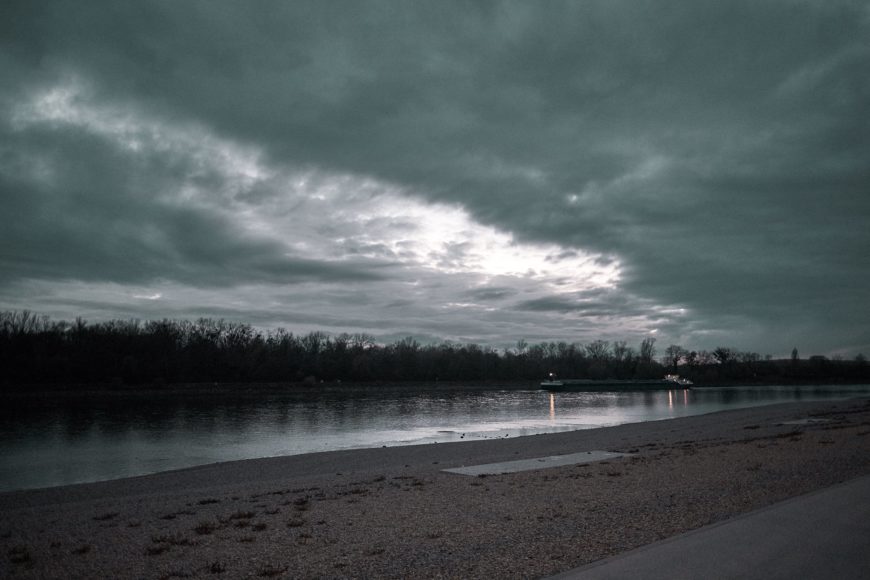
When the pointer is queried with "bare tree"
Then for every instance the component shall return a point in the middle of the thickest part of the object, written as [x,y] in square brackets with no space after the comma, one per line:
[598,350]
[673,355]
[620,350]
[361,341]
[647,350]
[724,354]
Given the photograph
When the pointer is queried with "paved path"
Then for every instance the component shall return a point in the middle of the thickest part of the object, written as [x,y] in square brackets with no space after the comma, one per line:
[535,463]
[820,535]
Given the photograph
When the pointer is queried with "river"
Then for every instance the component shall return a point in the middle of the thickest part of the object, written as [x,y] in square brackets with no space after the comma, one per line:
[58,440]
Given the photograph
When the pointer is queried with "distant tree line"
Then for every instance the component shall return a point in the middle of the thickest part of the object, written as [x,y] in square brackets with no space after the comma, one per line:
[37,350]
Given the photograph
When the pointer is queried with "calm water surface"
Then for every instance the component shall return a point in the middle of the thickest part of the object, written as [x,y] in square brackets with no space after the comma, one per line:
[52,441]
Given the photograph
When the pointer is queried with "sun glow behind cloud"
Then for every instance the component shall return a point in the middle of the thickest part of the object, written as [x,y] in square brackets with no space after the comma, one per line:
[446,239]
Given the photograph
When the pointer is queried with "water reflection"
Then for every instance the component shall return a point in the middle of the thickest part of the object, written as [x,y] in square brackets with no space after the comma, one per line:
[53,441]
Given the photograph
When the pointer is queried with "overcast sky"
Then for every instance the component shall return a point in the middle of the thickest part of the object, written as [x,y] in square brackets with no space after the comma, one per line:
[471,171]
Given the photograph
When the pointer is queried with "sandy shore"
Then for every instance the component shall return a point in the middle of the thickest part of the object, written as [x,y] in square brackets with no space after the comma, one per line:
[393,513]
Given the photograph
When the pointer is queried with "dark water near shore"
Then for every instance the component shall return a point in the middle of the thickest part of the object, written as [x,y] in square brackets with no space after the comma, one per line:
[71,439]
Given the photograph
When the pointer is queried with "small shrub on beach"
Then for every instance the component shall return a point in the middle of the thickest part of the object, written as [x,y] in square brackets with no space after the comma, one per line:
[303,539]
[217,568]
[106,516]
[83,549]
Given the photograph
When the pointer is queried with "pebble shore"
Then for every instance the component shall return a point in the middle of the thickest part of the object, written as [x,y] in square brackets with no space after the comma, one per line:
[393,513]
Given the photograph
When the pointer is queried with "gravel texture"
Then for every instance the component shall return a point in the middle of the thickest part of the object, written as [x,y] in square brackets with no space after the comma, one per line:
[392,512]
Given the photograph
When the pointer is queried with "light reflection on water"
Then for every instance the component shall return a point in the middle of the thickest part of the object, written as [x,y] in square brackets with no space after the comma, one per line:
[45,442]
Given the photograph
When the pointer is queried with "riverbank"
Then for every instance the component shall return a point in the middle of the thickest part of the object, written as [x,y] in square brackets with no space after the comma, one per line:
[393,512]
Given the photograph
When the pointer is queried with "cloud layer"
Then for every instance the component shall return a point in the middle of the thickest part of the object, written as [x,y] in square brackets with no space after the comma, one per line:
[461,170]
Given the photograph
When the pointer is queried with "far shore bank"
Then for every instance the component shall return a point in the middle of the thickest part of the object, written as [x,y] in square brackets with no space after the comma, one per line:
[306,388]
[393,512]
[230,388]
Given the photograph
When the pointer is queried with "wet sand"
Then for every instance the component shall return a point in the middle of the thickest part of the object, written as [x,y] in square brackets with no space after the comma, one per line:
[393,512]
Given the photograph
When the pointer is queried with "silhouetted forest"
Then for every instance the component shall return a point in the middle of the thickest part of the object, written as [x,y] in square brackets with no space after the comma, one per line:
[37,350]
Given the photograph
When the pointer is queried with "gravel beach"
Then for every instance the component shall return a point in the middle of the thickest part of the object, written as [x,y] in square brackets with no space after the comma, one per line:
[393,512]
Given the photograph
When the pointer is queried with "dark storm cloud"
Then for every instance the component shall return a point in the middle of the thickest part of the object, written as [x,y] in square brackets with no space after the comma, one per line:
[718,151]
[491,294]
[550,304]
[602,303]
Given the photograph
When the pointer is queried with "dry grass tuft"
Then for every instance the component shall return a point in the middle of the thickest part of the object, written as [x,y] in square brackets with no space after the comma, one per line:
[271,570]
[83,549]
[20,555]
[206,527]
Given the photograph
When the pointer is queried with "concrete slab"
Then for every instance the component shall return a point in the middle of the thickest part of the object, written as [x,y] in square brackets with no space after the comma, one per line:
[810,421]
[536,463]
[821,535]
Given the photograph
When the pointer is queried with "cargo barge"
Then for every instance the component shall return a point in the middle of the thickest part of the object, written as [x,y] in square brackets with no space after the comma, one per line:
[667,383]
